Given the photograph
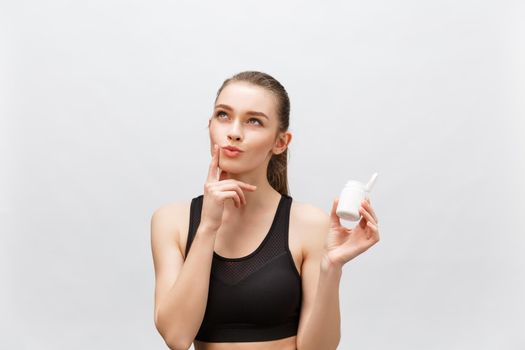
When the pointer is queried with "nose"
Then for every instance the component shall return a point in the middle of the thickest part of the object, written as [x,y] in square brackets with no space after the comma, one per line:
[235,132]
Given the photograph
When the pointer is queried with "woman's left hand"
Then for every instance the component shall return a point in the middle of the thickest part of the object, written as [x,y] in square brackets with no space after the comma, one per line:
[342,243]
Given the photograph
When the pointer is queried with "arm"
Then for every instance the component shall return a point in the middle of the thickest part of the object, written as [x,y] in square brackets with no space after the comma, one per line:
[323,328]
[328,246]
[181,288]
[320,323]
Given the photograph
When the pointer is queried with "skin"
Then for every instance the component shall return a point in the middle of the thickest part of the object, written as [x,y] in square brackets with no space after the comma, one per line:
[319,243]
[255,135]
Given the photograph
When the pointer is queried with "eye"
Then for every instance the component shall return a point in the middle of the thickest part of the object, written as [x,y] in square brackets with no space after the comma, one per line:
[218,114]
[221,113]
[257,120]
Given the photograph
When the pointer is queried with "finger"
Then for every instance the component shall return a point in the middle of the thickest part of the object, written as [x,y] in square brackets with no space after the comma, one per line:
[375,231]
[367,215]
[237,186]
[213,171]
[245,187]
[334,219]
[230,183]
[368,206]
[372,226]
[231,195]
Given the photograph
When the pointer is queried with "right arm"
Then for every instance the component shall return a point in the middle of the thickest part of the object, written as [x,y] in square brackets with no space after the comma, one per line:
[181,289]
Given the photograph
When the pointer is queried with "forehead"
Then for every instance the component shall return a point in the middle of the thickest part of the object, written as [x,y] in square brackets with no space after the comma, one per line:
[243,96]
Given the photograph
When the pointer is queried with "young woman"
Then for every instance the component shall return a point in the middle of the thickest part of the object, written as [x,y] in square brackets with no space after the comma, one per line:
[243,266]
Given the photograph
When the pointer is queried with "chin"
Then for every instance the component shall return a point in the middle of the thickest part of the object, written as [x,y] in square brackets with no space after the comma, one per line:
[231,169]
[234,169]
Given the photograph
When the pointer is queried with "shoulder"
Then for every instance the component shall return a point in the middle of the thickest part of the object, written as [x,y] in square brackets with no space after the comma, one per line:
[312,224]
[308,213]
[167,221]
[169,214]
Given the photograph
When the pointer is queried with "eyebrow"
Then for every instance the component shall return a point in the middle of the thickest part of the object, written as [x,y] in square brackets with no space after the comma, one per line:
[248,112]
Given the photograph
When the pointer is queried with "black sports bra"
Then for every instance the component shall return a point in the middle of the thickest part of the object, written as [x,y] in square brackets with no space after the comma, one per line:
[256,297]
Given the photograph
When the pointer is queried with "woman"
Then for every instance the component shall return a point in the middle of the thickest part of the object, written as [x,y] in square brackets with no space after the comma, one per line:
[243,266]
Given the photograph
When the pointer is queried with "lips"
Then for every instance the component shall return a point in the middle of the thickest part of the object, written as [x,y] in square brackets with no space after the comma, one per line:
[231,148]
[231,152]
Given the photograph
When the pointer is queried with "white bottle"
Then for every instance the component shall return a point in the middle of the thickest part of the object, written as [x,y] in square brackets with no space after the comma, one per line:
[351,197]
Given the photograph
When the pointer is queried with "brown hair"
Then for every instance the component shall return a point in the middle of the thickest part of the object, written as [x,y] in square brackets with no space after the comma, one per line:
[277,172]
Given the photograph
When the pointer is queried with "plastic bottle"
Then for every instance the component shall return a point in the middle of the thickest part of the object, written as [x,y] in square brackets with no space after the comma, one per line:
[353,193]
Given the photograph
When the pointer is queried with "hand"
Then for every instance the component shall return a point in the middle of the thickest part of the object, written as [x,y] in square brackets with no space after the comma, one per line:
[342,243]
[217,189]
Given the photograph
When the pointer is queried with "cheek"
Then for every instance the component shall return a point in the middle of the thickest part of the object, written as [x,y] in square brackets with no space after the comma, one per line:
[215,132]
[218,129]
[261,146]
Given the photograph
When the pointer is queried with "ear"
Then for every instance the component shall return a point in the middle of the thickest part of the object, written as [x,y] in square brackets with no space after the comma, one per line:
[282,142]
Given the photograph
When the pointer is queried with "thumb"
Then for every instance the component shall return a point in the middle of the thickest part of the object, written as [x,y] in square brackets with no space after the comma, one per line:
[335,221]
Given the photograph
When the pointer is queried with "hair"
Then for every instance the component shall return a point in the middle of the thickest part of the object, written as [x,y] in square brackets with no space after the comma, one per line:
[277,172]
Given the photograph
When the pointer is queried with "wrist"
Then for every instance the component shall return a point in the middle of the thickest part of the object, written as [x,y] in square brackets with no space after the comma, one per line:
[206,230]
[328,264]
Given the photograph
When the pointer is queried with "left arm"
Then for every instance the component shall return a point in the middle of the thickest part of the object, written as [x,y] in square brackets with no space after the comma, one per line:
[327,247]
[323,320]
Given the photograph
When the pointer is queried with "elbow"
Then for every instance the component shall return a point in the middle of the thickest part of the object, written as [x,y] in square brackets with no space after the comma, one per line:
[178,344]
[173,341]
[304,346]
[336,343]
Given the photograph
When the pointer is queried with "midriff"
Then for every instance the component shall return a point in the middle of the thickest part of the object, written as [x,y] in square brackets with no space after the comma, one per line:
[279,344]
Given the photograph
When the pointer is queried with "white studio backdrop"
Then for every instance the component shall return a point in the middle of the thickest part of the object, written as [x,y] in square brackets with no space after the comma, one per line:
[104,108]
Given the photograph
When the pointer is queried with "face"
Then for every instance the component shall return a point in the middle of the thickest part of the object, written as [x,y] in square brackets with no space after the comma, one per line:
[245,117]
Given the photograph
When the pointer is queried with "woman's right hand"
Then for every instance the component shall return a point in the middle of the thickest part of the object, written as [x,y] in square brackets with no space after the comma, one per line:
[217,191]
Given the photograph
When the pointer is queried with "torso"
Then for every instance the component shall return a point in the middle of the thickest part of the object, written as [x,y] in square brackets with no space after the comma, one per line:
[258,232]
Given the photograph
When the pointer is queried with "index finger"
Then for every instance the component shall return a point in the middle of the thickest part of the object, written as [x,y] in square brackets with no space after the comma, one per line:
[371,210]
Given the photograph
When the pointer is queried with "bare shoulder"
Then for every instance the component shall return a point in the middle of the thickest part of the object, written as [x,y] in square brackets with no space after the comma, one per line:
[308,213]
[312,224]
[168,222]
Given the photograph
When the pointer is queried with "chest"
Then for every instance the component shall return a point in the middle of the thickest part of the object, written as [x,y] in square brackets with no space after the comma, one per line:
[250,237]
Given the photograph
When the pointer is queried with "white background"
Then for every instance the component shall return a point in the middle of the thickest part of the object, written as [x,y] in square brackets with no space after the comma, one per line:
[104,108]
